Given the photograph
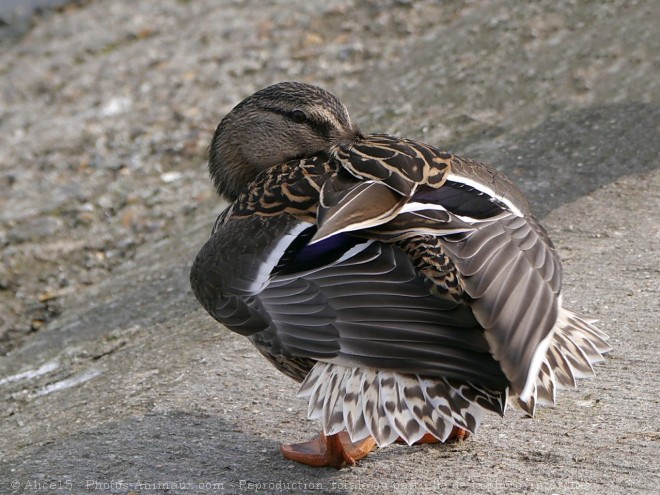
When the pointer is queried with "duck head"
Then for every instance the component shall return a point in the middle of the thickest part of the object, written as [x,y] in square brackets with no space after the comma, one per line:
[279,123]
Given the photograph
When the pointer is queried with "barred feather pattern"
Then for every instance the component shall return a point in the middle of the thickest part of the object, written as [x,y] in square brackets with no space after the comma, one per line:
[576,345]
[389,405]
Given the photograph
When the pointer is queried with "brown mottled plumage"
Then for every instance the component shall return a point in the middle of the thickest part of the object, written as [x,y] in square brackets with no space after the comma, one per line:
[410,290]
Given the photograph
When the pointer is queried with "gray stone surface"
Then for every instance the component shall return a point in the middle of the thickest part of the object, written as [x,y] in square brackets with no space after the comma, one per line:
[115,381]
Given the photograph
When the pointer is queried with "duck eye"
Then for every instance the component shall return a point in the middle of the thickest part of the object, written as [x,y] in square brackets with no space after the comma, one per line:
[298,116]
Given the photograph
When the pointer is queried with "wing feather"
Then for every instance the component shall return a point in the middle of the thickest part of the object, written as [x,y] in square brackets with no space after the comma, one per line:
[401,327]
[513,277]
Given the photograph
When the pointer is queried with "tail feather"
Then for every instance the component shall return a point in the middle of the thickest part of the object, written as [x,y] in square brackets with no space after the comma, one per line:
[396,412]
[545,385]
[441,410]
[353,417]
[373,408]
[403,390]
[422,410]
[560,366]
[575,356]
[576,345]
[389,405]
[333,413]
[316,401]
[529,406]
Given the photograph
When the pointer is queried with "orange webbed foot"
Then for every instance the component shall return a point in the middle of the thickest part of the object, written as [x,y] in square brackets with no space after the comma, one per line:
[334,450]
[457,435]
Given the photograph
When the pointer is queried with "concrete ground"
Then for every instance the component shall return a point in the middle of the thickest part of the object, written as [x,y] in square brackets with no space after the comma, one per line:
[127,386]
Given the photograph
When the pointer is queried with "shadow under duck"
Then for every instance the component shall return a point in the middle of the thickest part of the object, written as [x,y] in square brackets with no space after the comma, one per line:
[408,289]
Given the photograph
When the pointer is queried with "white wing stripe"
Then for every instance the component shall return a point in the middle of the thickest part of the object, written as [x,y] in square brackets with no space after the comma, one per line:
[262,275]
[486,190]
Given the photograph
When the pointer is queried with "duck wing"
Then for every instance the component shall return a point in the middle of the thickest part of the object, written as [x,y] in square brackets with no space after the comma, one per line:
[359,293]
[347,299]
[503,258]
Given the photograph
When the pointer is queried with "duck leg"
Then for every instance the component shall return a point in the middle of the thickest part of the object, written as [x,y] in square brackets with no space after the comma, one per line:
[333,450]
[457,435]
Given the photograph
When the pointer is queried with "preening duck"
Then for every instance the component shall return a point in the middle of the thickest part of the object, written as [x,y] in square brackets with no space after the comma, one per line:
[408,289]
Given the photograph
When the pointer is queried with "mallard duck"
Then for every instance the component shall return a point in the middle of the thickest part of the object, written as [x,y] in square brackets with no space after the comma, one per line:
[408,289]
